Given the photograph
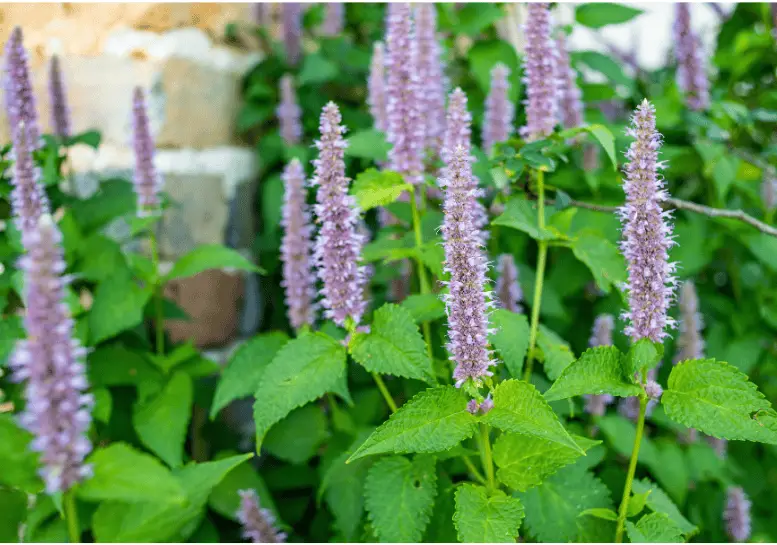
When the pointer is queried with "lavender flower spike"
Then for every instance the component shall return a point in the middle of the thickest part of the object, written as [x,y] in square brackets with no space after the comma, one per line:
[19,94]
[467,302]
[28,198]
[647,235]
[298,277]
[376,87]
[769,191]
[51,361]
[737,514]
[430,72]
[601,335]
[147,181]
[691,65]
[405,128]
[498,118]
[690,344]
[334,19]
[508,290]
[292,31]
[540,73]
[60,115]
[571,104]
[258,524]
[339,244]
[289,113]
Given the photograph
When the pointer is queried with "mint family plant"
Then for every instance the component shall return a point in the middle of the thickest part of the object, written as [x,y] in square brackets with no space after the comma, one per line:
[403,389]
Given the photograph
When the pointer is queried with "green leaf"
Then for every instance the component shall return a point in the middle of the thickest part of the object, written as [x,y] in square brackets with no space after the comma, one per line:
[424,307]
[224,498]
[12,515]
[525,461]
[484,516]
[242,374]
[124,474]
[103,405]
[378,188]
[600,62]
[557,355]
[162,422]
[637,503]
[210,256]
[11,330]
[19,463]
[441,528]
[520,408]
[394,346]
[599,14]
[643,355]
[654,528]
[399,495]
[433,421]
[89,138]
[304,369]
[521,214]
[118,306]
[601,257]
[114,198]
[659,502]
[473,19]
[511,339]
[343,489]
[717,399]
[605,138]
[368,144]
[296,438]
[599,370]
[600,513]
[316,69]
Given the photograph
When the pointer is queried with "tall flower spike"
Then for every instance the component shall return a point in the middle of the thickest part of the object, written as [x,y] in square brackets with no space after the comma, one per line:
[51,361]
[647,234]
[540,74]
[769,191]
[147,181]
[601,335]
[28,197]
[570,97]
[339,245]
[258,524]
[376,87]
[289,113]
[292,31]
[690,344]
[19,94]
[334,19]
[737,514]
[430,71]
[298,276]
[60,114]
[508,290]
[467,302]
[498,118]
[405,126]
[691,64]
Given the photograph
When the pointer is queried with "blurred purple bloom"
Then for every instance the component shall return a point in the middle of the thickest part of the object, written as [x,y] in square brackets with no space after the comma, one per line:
[57,411]
[334,19]
[540,74]
[736,515]
[719,445]
[508,290]
[498,117]
[19,94]
[570,97]
[376,87]
[289,113]
[60,114]
[339,244]
[28,197]
[480,408]
[258,524]
[653,390]
[691,62]
[769,191]
[292,31]
[432,79]
[147,180]
[690,344]
[601,335]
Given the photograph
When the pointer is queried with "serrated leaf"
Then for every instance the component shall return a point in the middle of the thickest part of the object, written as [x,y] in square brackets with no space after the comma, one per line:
[511,339]
[304,369]
[432,421]
[394,346]
[209,256]
[122,473]
[526,461]
[296,438]
[659,502]
[643,355]
[654,528]
[242,374]
[601,257]
[378,188]
[424,307]
[599,370]
[19,463]
[557,355]
[486,517]
[521,214]
[717,399]
[399,496]
[520,408]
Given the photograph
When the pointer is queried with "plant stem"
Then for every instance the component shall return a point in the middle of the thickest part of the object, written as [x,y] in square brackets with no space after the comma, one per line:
[385,392]
[422,278]
[159,321]
[71,517]
[485,454]
[643,401]
[472,469]
[539,279]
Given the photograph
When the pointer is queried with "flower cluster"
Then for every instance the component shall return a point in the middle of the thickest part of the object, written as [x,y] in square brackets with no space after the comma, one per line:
[431,77]
[292,31]
[508,290]
[690,344]
[258,524]
[498,117]
[736,515]
[28,198]
[289,113]
[19,95]
[540,74]
[601,335]
[691,64]
[376,87]
[146,180]
[334,19]
[570,96]
[769,191]
[60,115]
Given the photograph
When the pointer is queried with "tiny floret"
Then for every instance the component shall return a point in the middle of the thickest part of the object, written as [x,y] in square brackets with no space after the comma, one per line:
[258,523]
[737,514]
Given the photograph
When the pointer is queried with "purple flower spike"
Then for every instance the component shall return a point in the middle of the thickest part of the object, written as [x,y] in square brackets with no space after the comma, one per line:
[508,290]
[405,127]
[376,87]
[737,514]
[339,244]
[147,181]
[571,104]
[690,344]
[292,31]
[691,64]
[60,114]
[298,276]
[467,302]
[601,335]
[19,94]
[289,113]
[258,524]
[540,74]
[720,446]
[769,191]
[57,412]
[430,71]
[28,197]
[498,118]
[647,234]
[334,19]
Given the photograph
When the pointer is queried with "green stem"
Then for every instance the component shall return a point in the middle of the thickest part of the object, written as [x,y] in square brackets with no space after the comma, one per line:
[643,401]
[475,473]
[423,280]
[159,321]
[71,517]
[539,279]
[385,392]
[485,454]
